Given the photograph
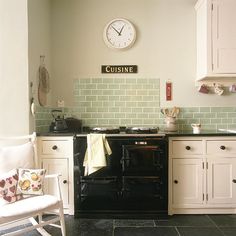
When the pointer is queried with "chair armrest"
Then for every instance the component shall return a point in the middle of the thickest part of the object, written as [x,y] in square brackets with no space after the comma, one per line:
[52,176]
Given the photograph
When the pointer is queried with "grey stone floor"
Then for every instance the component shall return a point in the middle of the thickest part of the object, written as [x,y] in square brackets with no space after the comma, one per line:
[177,225]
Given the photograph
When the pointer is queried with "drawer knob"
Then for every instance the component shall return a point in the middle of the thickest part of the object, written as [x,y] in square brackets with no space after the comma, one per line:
[222,147]
[54,147]
[64,181]
[187,147]
[234,181]
[176,181]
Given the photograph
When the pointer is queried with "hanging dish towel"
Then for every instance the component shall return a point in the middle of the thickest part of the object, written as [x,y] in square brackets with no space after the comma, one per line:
[95,156]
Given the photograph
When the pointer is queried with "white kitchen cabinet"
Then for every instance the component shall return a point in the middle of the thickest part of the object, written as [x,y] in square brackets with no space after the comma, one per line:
[216,39]
[187,184]
[56,156]
[221,179]
[202,181]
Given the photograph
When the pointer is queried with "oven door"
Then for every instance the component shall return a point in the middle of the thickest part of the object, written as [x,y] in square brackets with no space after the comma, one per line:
[141,159]
[97,193]
[144,193]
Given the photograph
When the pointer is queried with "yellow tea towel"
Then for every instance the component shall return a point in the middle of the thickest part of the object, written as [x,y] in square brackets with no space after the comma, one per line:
[95,156]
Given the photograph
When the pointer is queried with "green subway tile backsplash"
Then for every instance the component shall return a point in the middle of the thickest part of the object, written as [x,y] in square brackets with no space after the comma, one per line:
[131,101]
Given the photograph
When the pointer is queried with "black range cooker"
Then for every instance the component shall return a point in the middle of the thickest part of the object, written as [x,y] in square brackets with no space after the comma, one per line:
[133,184]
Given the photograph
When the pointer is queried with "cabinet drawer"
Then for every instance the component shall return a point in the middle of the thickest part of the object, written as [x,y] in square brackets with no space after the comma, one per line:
[187,147]
[221,147]
[57,147]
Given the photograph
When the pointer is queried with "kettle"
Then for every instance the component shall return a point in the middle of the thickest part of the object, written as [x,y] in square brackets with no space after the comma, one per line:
[59,123]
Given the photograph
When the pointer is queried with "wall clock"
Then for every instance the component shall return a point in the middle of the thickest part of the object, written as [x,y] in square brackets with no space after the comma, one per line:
[119,33]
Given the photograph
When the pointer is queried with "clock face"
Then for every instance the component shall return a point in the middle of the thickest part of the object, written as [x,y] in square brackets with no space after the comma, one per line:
[119,34]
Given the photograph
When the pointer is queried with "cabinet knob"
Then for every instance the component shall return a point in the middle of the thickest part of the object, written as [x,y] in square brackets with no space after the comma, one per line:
[176,181]
[222,147]
[234,181]
[54,147]
[187,147]
[64,181]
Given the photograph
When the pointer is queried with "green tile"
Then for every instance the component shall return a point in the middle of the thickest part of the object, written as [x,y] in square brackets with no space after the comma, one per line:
[137,110]
[119,104]
[210,115]
[148,110]
[198,115]
[120,115]
[232,115]
[103,121]
[91,86]
[91,98]
[216,109]
[205,121]
[103,98]
[125,109]
[114,98]
[228,109]
[130,81]
[108,92]
[221,115]
[102,86]
[96,92]
[119,92]
[85,92]
[227,121]
[188,115]
[215,121]
[97,115]
[84,81]
[125,122]
[108,80]
[137,121]
[113,86]
[113,122]
[130,92]
[130,115]
[119,80]
[131,104]
[108,115]
[103,109]
[86,115]
[96,80]
[114,109]
[142,92]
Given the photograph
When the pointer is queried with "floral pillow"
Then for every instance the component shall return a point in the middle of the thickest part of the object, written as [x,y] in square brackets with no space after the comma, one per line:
[31,181]
[8,187]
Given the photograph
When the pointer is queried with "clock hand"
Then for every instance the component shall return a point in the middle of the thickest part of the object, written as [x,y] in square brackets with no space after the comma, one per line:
[121,29]
[116,30]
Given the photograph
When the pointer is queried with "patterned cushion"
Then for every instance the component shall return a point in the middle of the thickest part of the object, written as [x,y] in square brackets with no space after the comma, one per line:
[8,187]
[31,181]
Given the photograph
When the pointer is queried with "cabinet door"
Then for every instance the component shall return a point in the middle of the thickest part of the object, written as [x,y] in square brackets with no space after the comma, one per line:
[224,36]
[221,179]
[187,182]
[57,166]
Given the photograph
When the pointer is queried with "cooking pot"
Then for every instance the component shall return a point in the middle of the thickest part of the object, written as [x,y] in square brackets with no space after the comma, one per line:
[59,123]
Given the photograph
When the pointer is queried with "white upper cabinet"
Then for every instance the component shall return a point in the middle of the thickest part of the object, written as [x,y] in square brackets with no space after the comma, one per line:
[216,39]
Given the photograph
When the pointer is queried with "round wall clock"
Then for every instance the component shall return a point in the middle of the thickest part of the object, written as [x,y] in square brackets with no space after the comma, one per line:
[119,33]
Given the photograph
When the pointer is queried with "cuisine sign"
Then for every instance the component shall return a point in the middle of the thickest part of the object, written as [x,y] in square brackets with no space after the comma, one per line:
[119,69]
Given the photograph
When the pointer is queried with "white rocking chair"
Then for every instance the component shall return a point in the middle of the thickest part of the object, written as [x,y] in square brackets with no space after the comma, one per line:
[25,156]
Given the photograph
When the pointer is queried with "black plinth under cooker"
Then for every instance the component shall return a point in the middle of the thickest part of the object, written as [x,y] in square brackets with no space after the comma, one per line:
[133,184]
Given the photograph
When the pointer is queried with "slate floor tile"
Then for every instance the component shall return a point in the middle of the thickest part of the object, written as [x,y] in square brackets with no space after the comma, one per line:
[93,227]
[199,231]
[228,231]
[224,220]
[185,220]
[145,231]
[128,222]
